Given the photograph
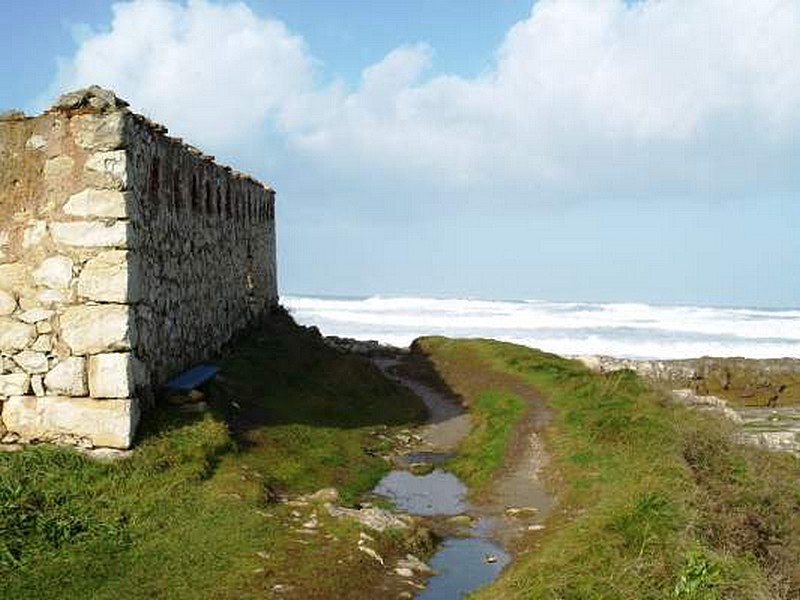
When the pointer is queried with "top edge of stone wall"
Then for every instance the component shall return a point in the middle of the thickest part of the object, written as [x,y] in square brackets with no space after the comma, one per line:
[95,99]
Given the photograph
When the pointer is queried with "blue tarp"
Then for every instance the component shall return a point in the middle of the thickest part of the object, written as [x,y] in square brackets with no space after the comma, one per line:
[193,378]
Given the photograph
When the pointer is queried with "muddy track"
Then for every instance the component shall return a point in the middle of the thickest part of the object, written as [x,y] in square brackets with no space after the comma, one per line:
[519,481]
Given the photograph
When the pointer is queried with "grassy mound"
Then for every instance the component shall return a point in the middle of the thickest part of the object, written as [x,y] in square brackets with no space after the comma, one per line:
[187,516]
[654,501]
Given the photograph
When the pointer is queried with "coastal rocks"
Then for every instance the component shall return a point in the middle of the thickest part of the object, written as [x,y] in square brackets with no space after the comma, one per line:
[351,346]
[712,403]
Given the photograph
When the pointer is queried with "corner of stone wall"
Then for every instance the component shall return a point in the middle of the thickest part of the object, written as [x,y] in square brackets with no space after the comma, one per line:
[68,281]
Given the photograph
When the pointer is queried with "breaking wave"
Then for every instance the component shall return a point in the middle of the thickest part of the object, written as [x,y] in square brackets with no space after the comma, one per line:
[630,330]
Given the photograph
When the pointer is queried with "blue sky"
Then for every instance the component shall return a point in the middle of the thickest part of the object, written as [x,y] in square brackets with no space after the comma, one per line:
[567,150]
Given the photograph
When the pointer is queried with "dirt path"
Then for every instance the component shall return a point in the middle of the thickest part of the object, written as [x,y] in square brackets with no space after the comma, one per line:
[515,503]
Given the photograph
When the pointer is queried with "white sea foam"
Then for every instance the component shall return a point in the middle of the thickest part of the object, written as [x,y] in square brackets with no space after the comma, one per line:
[617,329]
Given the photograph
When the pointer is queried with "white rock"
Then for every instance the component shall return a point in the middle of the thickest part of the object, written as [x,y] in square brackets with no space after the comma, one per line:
[43,343]
[111,277]
[14,335]
[8,304]
[91,234]
[54,272]
[369,552]
[13,276]
[114,375]
[107,170]
[36,142]
[68,378]
[59,167]
[98,132]
[35,315]
[52,297]
[44,327]
[34,234]
[36,385]
[14,384]
[94,329]
[109,423]
[31,362]
[102,204]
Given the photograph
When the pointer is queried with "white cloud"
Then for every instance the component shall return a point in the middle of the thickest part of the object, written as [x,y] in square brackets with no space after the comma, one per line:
[586,97]
[211,72]
[602,97]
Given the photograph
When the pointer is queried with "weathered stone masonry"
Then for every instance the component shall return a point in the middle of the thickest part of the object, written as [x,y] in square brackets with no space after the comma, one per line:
[125,257]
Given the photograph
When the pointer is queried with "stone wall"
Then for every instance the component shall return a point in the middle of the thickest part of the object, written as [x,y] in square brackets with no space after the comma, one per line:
[125,257]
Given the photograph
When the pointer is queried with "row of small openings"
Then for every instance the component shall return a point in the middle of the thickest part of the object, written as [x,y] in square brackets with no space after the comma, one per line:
[211,200]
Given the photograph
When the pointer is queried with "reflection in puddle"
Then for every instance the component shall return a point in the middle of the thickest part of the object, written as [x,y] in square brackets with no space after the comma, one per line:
[461,564]
[437,493]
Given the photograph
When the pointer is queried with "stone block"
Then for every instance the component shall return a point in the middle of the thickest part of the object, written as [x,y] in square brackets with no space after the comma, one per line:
[68,378]
[14,384]
[93,131]
[15,336]
[36,142]
[54,272]
[100,204]
[110,423]
[91,234]
[34,315]
[94,329]
[37,386]
[8,304]
[53,297]
[111,276]
[34,234]
[107,170]
[58,168]
[31,361]
[43,343]
[114,375]
[14,276]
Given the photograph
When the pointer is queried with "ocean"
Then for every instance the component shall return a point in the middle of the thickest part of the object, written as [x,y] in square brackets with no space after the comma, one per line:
[630,330]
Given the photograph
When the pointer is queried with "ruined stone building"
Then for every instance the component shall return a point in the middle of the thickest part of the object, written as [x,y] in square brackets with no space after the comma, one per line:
[126,257]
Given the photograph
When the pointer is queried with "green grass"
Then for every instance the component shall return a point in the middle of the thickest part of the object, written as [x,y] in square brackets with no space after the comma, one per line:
[186,515]
[654,500]
[481,453]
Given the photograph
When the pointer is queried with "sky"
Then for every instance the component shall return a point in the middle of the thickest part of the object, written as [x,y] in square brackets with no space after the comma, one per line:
[588,150]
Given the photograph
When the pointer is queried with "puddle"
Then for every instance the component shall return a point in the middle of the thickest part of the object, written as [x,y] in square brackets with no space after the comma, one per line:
[461,564]
[474,556]
[437,493]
